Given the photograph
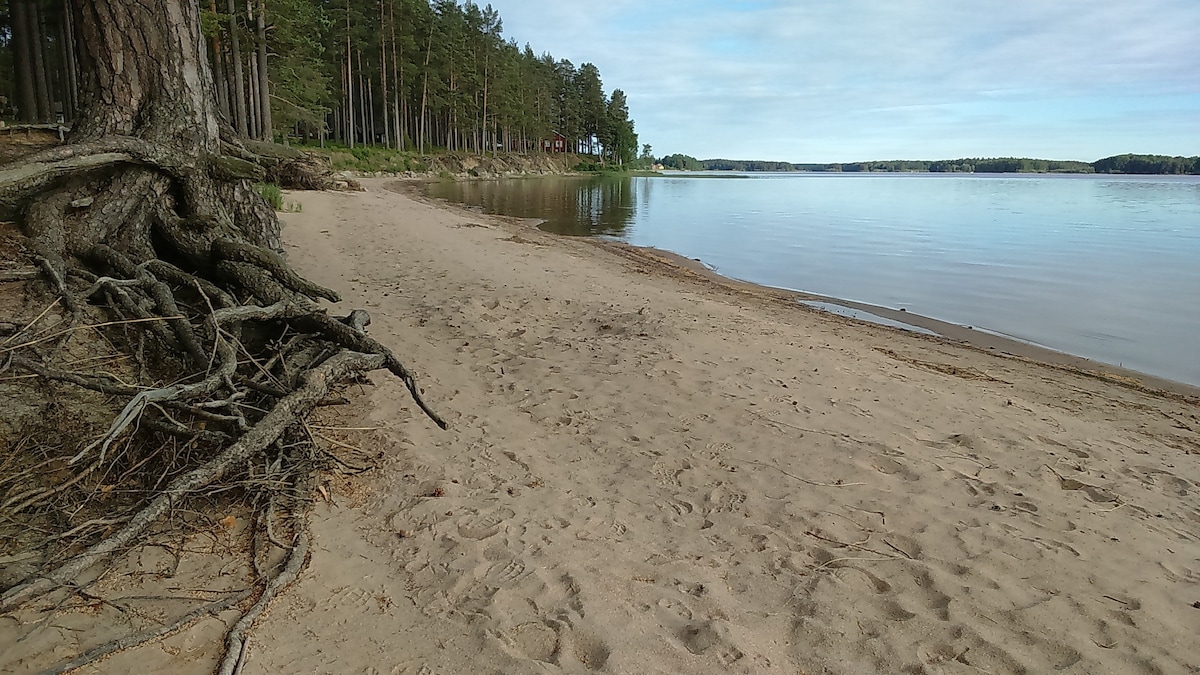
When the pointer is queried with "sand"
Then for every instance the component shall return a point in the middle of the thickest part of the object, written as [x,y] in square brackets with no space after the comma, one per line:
[652,471]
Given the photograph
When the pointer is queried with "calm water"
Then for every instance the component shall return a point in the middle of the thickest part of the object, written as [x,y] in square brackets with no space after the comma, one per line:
[1107,267]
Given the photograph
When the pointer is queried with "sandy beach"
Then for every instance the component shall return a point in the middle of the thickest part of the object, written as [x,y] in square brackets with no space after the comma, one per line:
[649,470]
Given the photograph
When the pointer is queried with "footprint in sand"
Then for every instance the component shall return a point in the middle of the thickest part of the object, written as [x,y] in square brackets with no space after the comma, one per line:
[701,638]
[676,509]
[536,641]
[485,524]
[506,573]
[723,500]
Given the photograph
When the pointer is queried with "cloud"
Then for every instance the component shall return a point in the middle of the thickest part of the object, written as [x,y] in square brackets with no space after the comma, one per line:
[860,79]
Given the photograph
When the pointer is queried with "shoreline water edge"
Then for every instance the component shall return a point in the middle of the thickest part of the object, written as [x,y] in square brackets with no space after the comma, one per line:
[650,468]
[862,312]
[929,327]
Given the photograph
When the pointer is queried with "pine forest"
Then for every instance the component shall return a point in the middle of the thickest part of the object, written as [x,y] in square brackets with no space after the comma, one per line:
[418,75]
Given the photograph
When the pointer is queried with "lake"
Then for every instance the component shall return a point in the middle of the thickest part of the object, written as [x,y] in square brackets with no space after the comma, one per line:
[1105,267]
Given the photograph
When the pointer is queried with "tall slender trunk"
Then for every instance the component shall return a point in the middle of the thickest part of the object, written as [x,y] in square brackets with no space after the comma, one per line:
[398,79]
[219,78]
[239,93]
[69,56]
[487,59]
[383,88]
[362,104]
[349,82]
[219,69]
[371,108]
[264,85]
[33,16]
[22,45]
[253,102]
[251,95]
[425,92]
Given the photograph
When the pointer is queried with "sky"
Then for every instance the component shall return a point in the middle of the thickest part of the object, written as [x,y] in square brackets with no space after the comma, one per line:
[855,80]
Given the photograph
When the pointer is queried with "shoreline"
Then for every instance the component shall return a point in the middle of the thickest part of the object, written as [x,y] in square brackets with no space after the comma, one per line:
[984,341]
[981,340]
[649,471]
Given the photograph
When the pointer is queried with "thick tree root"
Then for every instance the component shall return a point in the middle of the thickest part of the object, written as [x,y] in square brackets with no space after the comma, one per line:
[210,351]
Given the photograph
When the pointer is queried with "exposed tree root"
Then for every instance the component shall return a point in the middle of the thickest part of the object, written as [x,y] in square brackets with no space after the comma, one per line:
[249,353]
[236,638]
[137,639]
[181,353]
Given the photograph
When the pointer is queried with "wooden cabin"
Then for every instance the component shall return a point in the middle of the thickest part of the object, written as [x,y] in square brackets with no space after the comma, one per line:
[556,143]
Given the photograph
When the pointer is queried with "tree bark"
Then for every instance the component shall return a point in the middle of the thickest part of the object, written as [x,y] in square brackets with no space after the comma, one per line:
[253,101]
[349,82]
[264,89]
[37,42]
[383,88]
[23,48]
[71,95]
[237,86]
[218,59]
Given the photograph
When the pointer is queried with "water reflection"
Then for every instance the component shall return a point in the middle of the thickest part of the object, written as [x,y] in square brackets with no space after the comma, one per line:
[581,206]
[1100,266]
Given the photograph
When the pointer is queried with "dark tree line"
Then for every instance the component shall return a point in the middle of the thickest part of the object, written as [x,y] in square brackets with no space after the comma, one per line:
[418,75]
[1156,164]
[1138,164]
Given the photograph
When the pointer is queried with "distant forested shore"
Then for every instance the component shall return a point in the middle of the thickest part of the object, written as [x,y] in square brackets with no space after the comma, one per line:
[1136,164]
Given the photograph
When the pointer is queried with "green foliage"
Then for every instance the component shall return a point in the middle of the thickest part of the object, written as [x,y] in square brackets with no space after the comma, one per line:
[371,159]
[301,80]
[437,73]
[602,168]
[1155,164]
[211,22]
[272,194]
[685,163]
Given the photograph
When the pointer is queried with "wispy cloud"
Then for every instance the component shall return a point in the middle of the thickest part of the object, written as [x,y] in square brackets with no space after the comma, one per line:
[861,79]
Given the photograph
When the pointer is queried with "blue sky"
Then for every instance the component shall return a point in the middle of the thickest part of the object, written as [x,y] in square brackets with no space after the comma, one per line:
[847,80]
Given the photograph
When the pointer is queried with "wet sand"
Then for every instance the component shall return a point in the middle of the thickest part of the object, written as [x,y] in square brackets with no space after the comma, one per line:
[965,335]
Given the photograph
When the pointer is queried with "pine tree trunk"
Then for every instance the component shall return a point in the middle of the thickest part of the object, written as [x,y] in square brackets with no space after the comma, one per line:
[33,16]
[252,99]
[425,94]
[23,58]
[72,74]
[264,88]
[364,125]
[383,88]
[221,80]
[349,81]
[236,85]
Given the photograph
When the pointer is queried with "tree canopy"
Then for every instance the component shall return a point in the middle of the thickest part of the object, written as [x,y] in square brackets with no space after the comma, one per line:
[424,75]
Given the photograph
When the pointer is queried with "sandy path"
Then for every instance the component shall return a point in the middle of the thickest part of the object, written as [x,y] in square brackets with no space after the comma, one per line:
[651,473]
